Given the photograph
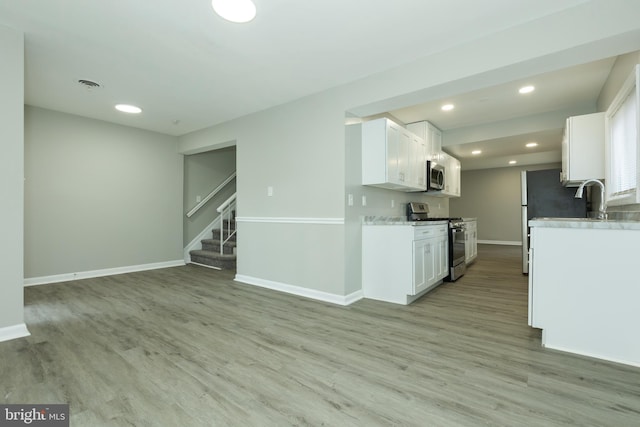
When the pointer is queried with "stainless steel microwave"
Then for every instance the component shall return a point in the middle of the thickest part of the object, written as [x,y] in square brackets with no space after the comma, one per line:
[435,176]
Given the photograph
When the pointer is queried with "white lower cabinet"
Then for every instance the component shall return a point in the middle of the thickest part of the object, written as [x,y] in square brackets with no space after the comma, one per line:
[470,241]
[424,264]
[402,262]
[583,289]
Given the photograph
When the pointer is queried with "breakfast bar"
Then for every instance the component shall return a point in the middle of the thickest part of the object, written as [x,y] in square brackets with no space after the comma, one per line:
[584,292]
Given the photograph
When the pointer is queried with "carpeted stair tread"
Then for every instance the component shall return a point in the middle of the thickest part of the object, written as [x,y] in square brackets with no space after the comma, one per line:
[214,245]
[214,259]
[231,243]
[216,235]
[212,254]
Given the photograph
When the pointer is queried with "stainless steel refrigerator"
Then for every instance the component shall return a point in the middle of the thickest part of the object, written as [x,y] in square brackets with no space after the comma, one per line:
[544,196]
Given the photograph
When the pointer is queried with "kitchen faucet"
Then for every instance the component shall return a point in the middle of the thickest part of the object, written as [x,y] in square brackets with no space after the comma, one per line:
[603,206]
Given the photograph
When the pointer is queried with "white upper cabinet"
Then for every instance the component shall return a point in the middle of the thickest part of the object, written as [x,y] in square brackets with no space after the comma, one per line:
[583,149]
[417,161]
[622,123]
[431,135]
[392,157]
[433,147]
[435,136]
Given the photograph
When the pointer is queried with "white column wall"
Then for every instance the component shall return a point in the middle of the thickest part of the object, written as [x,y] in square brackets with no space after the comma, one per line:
[11,183]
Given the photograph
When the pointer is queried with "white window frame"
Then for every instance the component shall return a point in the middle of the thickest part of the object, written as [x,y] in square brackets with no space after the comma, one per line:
[631,87]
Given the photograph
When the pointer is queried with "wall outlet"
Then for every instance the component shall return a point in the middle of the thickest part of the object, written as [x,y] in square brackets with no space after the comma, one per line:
[350,200]
[198,199]
[393,203]
[269,191]
[364,200]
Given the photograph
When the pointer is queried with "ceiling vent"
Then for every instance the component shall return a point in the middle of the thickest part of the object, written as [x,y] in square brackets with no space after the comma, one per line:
[89,84]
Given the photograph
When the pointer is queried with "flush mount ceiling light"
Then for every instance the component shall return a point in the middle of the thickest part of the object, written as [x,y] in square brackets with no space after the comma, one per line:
[526,89]
[131,109]
[447,107]
[239,11]
[512,162]
[476,152]
[531,144]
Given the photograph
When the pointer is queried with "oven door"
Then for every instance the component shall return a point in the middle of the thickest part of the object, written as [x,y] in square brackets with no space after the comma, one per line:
[457,253]
[457,244]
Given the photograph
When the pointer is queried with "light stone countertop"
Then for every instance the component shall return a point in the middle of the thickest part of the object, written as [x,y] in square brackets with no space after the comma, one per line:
[469,219]
[396,220]
[585,223]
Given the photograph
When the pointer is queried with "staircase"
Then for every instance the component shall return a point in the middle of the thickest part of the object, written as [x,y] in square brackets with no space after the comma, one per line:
[220,251]
[210,254]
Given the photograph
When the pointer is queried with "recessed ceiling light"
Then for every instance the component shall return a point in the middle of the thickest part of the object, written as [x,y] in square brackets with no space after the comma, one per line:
[475,152]
[447,107]
[512,162]
[125,108]
[239,11]
[526,89]
[531,144]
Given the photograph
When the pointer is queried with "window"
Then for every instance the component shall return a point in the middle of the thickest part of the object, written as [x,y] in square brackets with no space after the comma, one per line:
[623,144]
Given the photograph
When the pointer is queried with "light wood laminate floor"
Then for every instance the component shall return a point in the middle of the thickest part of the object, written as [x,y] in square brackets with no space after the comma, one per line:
[187,346]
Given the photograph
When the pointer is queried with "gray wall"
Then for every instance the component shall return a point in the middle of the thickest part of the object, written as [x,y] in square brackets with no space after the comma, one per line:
[494,197]
[203,172]
[298,150]
[621,69]
[299,147]
[98,195]
[11,177]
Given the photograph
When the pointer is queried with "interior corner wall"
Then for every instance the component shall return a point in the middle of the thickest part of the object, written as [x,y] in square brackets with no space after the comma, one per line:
[203,172]
[493,196]
[98,195]
[11,178]
[294,237]
[619,72]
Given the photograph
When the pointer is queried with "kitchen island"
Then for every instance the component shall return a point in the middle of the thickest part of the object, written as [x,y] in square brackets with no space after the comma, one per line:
[584,291]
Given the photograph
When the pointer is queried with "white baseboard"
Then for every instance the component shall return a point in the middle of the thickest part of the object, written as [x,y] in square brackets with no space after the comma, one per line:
[204,265]
[300,291]
[353,297]
[67,277]
[13,332]
[500,242]
[635,363]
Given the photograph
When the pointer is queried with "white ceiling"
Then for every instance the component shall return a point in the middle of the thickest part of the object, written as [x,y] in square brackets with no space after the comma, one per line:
[558,95]
[189,69]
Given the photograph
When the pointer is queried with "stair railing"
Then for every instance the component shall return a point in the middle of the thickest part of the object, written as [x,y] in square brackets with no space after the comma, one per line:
[211,195]
[226,211]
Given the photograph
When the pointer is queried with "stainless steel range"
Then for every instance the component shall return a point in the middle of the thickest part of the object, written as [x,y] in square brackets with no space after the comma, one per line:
[417,211]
